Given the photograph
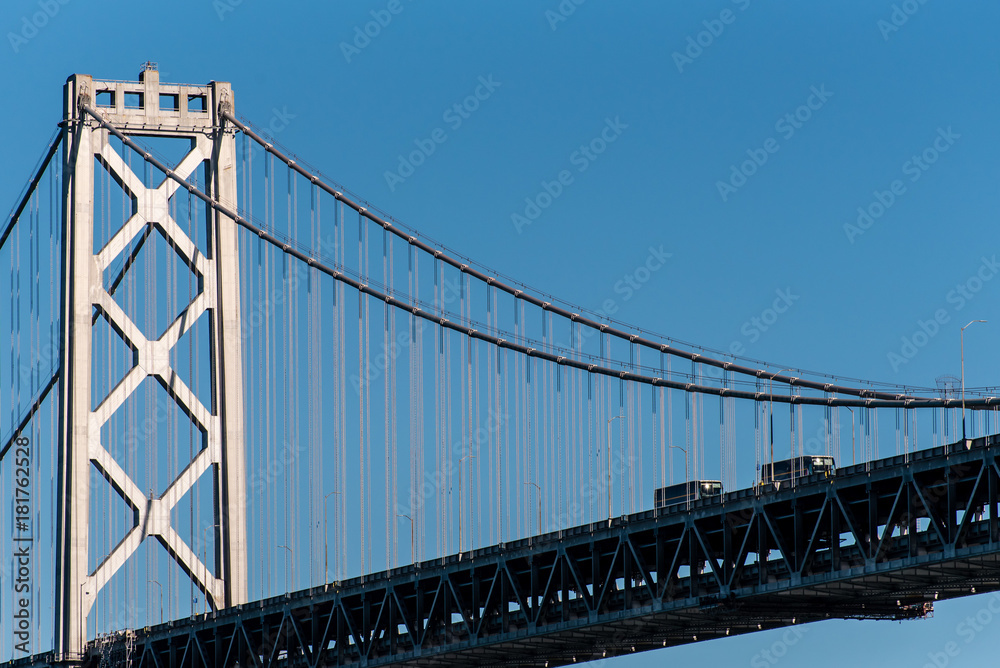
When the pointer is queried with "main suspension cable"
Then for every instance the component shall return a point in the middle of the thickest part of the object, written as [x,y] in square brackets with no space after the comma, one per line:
[867,398]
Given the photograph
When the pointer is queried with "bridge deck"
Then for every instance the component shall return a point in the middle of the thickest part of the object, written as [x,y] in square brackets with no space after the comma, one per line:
[881,540]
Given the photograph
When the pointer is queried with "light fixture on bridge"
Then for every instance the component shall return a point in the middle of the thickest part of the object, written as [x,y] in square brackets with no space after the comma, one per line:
[962,337]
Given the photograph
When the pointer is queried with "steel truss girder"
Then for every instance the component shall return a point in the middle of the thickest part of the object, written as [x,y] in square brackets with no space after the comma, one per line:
[878,541]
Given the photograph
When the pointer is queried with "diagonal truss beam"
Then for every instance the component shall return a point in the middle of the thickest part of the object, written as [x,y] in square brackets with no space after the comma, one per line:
[152,516]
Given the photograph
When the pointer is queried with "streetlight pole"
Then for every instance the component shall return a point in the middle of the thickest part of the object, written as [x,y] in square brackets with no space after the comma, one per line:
[677,447]
[770,427]
[291,553]
[156,582]
[413,552]
[204,533]
[539,495]
[460,500]
[962,336]
[609,464]
[326,540]
[83,618]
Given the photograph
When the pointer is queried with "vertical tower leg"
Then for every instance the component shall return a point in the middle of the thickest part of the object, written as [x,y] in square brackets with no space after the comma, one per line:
[73,598]
[230,357]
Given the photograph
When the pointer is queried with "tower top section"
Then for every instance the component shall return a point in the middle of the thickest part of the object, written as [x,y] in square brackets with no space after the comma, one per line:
[147,106]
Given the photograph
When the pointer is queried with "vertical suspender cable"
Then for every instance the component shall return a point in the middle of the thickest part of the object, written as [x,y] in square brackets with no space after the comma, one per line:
[505,441]
[724,428]
[590,445]
[293,363]
[701,424]
[394,418]
[272,324]
[500,435]
[637,486]
[756,434]
[874,453]
[625,460]
[386,416]
[670,426]
[338,391]
[421,461]
[477,403]
[494,491]
[663,449]
[529,439]
[362,407]
[801,428]
[560,446]
[448,404]
[518,482]
[544,418]
[687,431]
[473,445]
[438,410]
[412,425]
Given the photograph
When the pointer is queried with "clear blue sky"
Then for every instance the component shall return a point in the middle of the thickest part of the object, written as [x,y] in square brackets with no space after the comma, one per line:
[884,88]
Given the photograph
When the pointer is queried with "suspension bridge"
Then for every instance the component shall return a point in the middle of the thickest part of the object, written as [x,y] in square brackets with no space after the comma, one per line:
[251,420]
